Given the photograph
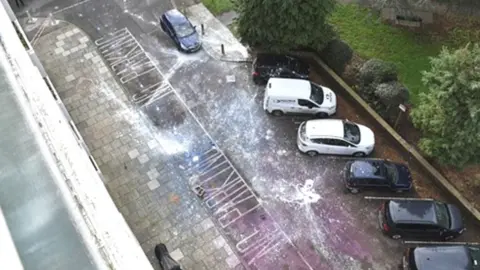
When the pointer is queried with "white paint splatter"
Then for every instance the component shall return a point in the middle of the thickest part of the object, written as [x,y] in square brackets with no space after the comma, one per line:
[269,134]
[287,192]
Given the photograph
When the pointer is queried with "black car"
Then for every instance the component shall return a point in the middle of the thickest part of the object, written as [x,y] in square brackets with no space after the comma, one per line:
[180,30]
[266,66]
[459,257]
[377,174]
[417,218]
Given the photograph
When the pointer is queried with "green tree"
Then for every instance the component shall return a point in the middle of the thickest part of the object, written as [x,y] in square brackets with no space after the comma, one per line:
[449,113]
[285,24]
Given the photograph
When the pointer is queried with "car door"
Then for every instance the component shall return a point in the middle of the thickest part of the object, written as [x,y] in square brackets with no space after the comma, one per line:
[381,183]
[349,148]
[306,107]
[171,31]
[267,72]
[433,232]
[412,231]
[370,183]
[286,73]
[364,182]
[442,233]
[340,147]
[424,231]
[321,145]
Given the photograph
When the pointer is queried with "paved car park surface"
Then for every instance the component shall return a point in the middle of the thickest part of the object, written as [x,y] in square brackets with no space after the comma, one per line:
[190,156]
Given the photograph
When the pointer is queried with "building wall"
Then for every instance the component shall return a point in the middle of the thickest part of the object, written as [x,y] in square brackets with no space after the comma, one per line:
[46,154]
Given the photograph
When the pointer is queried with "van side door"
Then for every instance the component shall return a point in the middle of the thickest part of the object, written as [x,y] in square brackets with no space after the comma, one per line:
[307,107]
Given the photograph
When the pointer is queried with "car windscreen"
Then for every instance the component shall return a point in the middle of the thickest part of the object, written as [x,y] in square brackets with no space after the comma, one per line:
[316,93]
[443,217]
[184,29]
[391,172]
[351,132]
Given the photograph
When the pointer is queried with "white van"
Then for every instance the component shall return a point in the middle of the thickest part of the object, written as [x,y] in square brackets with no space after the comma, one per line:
[297,96]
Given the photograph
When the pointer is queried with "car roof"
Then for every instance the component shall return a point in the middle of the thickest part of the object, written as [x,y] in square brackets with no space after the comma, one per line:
[175,16]
[324,128]
[283,87]
[413,211]
[443,258]
[367,168]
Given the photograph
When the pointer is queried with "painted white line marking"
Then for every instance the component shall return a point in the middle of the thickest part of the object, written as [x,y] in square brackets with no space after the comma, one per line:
[207,162]
[153,31]
[71,6]
[129,61]
[156,96]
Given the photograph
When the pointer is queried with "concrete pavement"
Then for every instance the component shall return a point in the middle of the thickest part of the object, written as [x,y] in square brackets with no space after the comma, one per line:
[157,205]
[215,35]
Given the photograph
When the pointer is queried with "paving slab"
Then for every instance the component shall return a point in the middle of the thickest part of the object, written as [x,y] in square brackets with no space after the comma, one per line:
[215,35]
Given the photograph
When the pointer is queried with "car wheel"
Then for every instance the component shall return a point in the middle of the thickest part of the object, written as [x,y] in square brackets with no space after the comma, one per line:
[322,115]
[277,113]
[396,236]
[312,153]
[359,154]
[354,190]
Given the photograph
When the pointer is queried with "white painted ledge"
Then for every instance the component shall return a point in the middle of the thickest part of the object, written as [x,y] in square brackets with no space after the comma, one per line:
[105,231]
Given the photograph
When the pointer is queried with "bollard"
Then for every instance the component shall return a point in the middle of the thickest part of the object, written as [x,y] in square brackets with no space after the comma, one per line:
[223,49]
[52,20]
[203,29]
[30,19]
[403,109]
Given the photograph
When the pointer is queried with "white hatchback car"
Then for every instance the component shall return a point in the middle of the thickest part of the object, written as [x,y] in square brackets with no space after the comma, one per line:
[335,136]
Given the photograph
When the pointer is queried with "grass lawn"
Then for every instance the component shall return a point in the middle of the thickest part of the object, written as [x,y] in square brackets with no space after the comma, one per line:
[370,38]
[218,7]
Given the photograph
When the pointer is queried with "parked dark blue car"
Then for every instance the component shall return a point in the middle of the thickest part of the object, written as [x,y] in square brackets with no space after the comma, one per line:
[377,174]
[180,30]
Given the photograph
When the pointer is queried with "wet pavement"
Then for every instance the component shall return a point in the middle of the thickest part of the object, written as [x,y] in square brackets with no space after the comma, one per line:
[275,208]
